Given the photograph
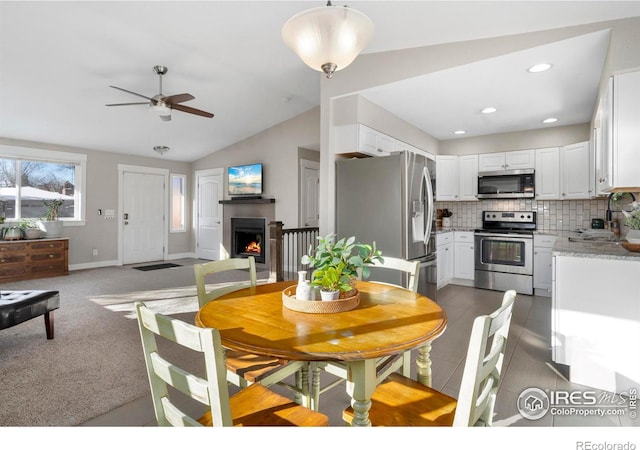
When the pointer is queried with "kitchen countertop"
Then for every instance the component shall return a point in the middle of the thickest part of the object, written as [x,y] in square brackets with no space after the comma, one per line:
[591,249]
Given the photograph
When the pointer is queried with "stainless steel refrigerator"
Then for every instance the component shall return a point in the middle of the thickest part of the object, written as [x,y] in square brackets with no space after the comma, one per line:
[390,200]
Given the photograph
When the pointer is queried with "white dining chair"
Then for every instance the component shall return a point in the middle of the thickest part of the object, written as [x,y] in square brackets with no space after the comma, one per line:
[384,366]
[400,401]
[255,405]
[246,368]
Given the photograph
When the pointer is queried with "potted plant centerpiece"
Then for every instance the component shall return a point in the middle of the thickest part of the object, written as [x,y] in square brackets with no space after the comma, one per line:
[52,226]
[337,264]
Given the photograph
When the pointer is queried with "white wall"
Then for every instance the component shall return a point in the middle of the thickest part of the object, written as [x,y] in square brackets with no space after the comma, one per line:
[102,193]
[277,149]
[523,140]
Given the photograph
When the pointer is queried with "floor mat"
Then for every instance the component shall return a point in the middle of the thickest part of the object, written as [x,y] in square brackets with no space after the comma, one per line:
[157,266]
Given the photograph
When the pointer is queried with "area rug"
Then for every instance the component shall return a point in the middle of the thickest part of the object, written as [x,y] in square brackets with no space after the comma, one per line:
[157,266]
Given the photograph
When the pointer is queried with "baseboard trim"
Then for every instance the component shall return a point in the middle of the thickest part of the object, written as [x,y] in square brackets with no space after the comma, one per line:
[180,256]
[115,262]
[93,265]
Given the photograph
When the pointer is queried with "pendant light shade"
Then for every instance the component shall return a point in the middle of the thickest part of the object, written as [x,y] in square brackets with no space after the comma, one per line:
[328,38]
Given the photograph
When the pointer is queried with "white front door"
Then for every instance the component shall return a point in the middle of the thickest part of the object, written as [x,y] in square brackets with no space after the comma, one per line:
[309,193]
[143,217]
[209,215]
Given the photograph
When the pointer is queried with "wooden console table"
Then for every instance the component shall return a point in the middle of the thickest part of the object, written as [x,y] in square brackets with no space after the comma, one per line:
[29,259]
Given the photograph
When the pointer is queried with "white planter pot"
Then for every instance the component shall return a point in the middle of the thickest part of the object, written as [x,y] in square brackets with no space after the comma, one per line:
[329,295]
[633,236]
[52,228]
[32,233]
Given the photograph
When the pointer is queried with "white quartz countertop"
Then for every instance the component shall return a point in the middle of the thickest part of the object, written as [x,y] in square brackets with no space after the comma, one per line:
[591,249]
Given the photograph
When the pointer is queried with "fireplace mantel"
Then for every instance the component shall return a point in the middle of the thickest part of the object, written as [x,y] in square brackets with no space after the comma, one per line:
[246,201]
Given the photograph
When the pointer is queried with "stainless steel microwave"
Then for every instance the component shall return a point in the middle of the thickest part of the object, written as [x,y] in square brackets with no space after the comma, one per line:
[507,184]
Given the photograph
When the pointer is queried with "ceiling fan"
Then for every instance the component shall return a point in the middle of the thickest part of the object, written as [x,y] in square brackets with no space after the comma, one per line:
[161,104]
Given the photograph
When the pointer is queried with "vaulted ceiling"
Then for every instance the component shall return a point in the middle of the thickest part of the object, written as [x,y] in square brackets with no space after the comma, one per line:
[58,59]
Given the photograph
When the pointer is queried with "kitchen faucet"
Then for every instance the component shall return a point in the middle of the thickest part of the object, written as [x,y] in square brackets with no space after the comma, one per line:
[608,216]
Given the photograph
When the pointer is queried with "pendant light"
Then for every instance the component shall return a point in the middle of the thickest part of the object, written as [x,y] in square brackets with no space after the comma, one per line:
[328,38]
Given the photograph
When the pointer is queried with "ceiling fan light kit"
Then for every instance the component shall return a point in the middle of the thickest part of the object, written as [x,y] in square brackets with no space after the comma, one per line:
[328,38]
[161,104]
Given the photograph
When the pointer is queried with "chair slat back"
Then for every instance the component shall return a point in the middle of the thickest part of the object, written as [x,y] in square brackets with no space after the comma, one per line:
[411,268]
[223,265]
[483,368]
[211,391]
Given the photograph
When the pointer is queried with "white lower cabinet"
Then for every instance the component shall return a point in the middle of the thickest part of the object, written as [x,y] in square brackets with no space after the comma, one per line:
[464,264]
[456,263]
[542,260]
[595,324]
[444,247]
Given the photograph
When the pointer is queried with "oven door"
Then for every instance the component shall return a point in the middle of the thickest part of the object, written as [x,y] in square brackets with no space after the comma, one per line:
[509,253]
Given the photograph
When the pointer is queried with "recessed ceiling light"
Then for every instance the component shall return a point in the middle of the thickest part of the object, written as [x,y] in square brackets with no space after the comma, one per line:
[550,120]
[459,132]
[539,68]
[488,110]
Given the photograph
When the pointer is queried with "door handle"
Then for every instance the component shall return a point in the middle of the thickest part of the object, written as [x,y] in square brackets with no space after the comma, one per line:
[126,216]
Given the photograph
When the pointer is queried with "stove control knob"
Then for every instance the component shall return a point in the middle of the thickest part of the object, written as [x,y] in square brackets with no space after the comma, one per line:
[522,216]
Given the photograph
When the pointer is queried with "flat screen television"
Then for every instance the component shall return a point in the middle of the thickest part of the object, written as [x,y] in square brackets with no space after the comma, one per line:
[245,180]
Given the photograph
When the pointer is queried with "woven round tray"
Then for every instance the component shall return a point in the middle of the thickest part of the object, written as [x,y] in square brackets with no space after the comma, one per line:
[290,301]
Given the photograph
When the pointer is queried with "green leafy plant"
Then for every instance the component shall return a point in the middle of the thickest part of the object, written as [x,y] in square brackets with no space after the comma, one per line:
[52,208]
[340,260]
[633,217]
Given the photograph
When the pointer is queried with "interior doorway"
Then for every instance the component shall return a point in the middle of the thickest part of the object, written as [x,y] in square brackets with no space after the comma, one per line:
[209,192]
[309,193]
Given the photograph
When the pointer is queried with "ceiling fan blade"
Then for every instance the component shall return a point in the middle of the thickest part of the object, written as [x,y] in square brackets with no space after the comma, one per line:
[178,98]
[190,110]
[126,104]
[131,92]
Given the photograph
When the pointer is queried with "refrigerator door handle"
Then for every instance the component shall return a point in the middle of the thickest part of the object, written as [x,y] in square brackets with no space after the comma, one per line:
[426,178]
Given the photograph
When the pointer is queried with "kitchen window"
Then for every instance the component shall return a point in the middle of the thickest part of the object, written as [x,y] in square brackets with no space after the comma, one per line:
[30,176]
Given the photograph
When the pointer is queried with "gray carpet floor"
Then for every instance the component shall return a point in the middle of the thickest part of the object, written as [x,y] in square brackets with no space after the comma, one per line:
[94,363]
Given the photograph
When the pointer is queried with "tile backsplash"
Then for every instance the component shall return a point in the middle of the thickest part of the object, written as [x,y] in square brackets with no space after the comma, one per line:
[560,215]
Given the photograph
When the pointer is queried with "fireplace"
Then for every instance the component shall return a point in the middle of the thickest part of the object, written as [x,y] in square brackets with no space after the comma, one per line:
[248,238]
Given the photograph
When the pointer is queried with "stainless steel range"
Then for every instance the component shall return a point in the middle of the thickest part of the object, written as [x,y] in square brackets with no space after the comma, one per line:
[504,251]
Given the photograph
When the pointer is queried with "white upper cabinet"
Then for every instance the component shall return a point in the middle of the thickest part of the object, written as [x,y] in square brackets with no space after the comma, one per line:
[467,177]
[446,178]
[625,149]
[548,173]
[576,172]
[373,142]
[519,159]
[358,138]
[618,135]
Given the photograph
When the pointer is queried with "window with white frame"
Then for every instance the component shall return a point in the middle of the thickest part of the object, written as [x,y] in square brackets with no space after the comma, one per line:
[30,177]
[178,186]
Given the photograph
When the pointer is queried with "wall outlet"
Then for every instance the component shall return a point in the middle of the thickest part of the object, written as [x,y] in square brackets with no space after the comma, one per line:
[95,252]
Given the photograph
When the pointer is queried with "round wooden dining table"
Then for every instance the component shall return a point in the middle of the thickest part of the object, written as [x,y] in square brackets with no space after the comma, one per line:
[387,321]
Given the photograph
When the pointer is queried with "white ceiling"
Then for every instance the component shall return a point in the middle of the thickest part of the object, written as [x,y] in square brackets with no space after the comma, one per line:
[57,60]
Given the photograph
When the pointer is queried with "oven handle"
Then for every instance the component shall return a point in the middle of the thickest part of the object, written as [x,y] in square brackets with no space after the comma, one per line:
[505,235]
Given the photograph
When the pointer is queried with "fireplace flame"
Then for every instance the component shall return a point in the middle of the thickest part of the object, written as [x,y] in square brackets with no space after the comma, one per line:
[253,247]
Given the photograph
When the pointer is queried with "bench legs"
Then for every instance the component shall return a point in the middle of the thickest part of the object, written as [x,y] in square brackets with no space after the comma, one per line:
[48,324]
